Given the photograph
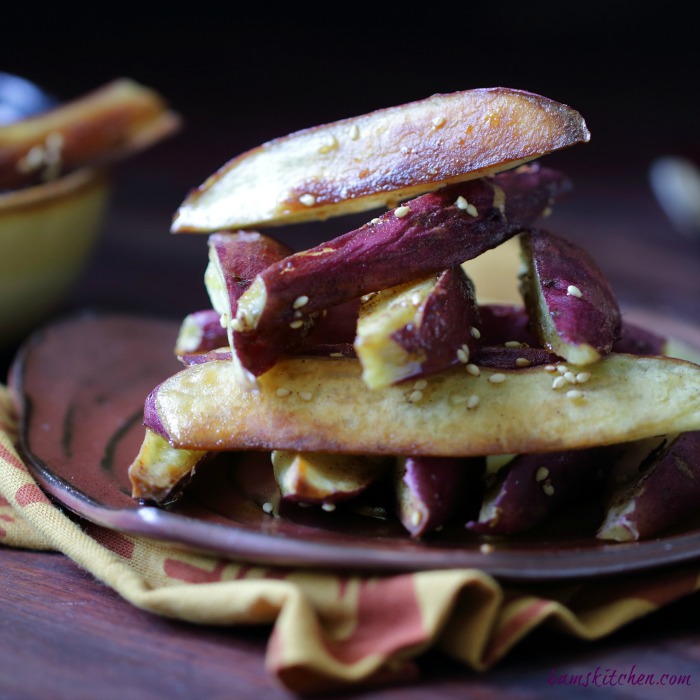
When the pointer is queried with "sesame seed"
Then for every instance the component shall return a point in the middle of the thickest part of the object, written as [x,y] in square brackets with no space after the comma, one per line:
[354,132]
[522,362]
[497,378]
[541,474]
[461,203]
[416,517]
[224,320]
[570,377]
[282,392]
[459,398]
[573,291]
[473,401]
[558,382]
[54,141]
[300,301]
[236,325]
[415,396]
[550,368]
[471,210]
[330,144]
[562,369]
[328,507]
[574,394]
[376,220]
[513,344]
[305,395]
[401,211]
[308,200]
[462,356]
[367,297]
[420,384]
[486,548]
[548,489]
[473,369]
[438,122]
[336,354]
[267,507]
[583,377]
[476,333]
[296,324]
[546,212]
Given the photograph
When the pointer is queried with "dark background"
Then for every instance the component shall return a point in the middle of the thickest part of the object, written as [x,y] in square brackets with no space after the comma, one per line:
[242,74]
[629,67]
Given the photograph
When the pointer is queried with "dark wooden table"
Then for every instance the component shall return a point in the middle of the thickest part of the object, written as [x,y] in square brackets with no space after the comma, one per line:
[65,636]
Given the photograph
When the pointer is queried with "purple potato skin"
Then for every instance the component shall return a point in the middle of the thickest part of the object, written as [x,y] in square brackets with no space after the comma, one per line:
[446,319]
[636,340]
[431,490]
[594,318]
[524,494]
[513,358]
[501,323]
[206,326]
[667,492]
[241,256]
[434,234]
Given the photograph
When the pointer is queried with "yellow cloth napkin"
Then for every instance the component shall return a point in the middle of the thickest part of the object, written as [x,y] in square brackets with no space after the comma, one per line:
[328,630]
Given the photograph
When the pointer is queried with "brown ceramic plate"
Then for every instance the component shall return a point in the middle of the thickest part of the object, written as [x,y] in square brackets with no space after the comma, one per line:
[82,384]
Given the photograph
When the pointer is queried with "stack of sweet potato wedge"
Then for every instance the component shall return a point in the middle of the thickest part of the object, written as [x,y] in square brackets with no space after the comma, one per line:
[370,359]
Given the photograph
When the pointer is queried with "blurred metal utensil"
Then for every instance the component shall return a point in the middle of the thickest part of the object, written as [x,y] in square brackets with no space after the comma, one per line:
[675,182]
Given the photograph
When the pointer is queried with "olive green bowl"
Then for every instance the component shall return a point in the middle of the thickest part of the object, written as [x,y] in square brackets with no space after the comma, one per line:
[47,233]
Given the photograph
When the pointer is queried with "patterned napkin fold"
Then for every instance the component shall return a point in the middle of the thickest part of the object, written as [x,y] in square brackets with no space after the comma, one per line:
[328,630]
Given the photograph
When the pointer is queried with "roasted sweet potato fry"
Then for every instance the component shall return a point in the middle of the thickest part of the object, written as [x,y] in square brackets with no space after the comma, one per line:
[370,161]
[322,478]
[425,236]
[530,488]
[417,329]
[235,258]
[666,492]
[159,469]
[431,490]
[106,125]
[200,332]
[569,299]
[322,405]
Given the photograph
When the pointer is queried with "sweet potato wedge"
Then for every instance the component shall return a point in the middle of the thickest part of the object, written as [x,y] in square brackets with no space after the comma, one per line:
[639,341]
[530,488]
[428,235]
[200,332]
[318,478]
[159,469]
[322,405]
[417,329]
[235,258]
[370,161]
[430,490]
[569,298]
[108,124]
[666,492]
